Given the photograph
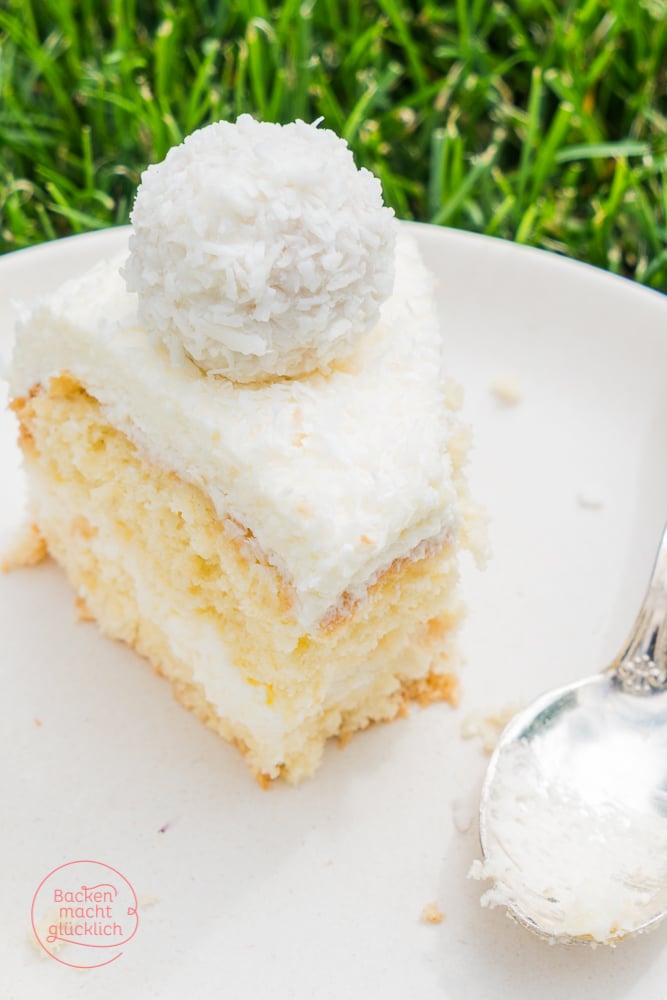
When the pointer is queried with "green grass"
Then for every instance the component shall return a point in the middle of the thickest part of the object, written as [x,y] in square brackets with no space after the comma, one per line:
[540,121]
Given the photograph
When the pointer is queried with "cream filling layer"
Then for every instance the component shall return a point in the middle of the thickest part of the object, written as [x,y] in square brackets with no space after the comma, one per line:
[336,474]
[125,594]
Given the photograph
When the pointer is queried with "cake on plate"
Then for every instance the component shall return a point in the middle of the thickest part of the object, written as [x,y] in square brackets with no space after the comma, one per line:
[243,447]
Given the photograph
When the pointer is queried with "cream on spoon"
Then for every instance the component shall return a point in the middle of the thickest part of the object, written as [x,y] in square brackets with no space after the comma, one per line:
[573,817]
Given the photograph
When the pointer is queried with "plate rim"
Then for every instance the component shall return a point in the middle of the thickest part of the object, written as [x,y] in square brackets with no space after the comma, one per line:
[557,263]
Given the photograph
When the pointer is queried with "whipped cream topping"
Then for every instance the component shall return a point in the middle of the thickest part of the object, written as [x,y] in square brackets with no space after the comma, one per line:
[336,475]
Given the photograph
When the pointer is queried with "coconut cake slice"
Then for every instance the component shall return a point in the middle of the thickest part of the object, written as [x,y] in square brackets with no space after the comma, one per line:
[283,549]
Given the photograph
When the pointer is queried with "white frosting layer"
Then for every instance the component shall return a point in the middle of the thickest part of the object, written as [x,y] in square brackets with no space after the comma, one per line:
[335,475]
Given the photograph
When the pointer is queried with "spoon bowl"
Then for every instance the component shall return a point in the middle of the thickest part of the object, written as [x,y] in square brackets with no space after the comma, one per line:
[573,817]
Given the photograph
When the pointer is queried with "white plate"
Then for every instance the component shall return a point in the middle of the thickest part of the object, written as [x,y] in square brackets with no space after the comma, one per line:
[317,891]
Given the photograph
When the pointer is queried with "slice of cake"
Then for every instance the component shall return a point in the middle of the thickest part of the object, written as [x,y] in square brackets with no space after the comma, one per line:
[243,449]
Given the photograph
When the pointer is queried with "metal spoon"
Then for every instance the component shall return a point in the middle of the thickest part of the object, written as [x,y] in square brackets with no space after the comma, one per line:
[573,816]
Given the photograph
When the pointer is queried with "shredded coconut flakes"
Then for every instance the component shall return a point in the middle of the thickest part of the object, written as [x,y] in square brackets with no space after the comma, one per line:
[260,250]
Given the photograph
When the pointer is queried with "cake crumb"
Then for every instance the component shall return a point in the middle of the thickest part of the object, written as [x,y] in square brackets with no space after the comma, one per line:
[33,941]
[487,728]
[464,812]
[264,781]
[589,499]
[434,687]
[40,931]
[38,723]
[507,390]
[147,901]
[453,394]
[83,613]
[432,914]
[28,549]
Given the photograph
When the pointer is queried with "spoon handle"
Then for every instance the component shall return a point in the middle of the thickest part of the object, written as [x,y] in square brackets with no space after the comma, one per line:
[642,666]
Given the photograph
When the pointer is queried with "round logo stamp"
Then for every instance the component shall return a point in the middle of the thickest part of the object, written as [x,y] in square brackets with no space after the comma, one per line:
[84,913]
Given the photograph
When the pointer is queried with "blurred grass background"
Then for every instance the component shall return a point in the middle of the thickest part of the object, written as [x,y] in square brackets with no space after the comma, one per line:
[540,121]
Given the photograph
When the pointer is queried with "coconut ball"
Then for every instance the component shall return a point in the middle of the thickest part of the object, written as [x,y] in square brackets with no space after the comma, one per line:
[260,250]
